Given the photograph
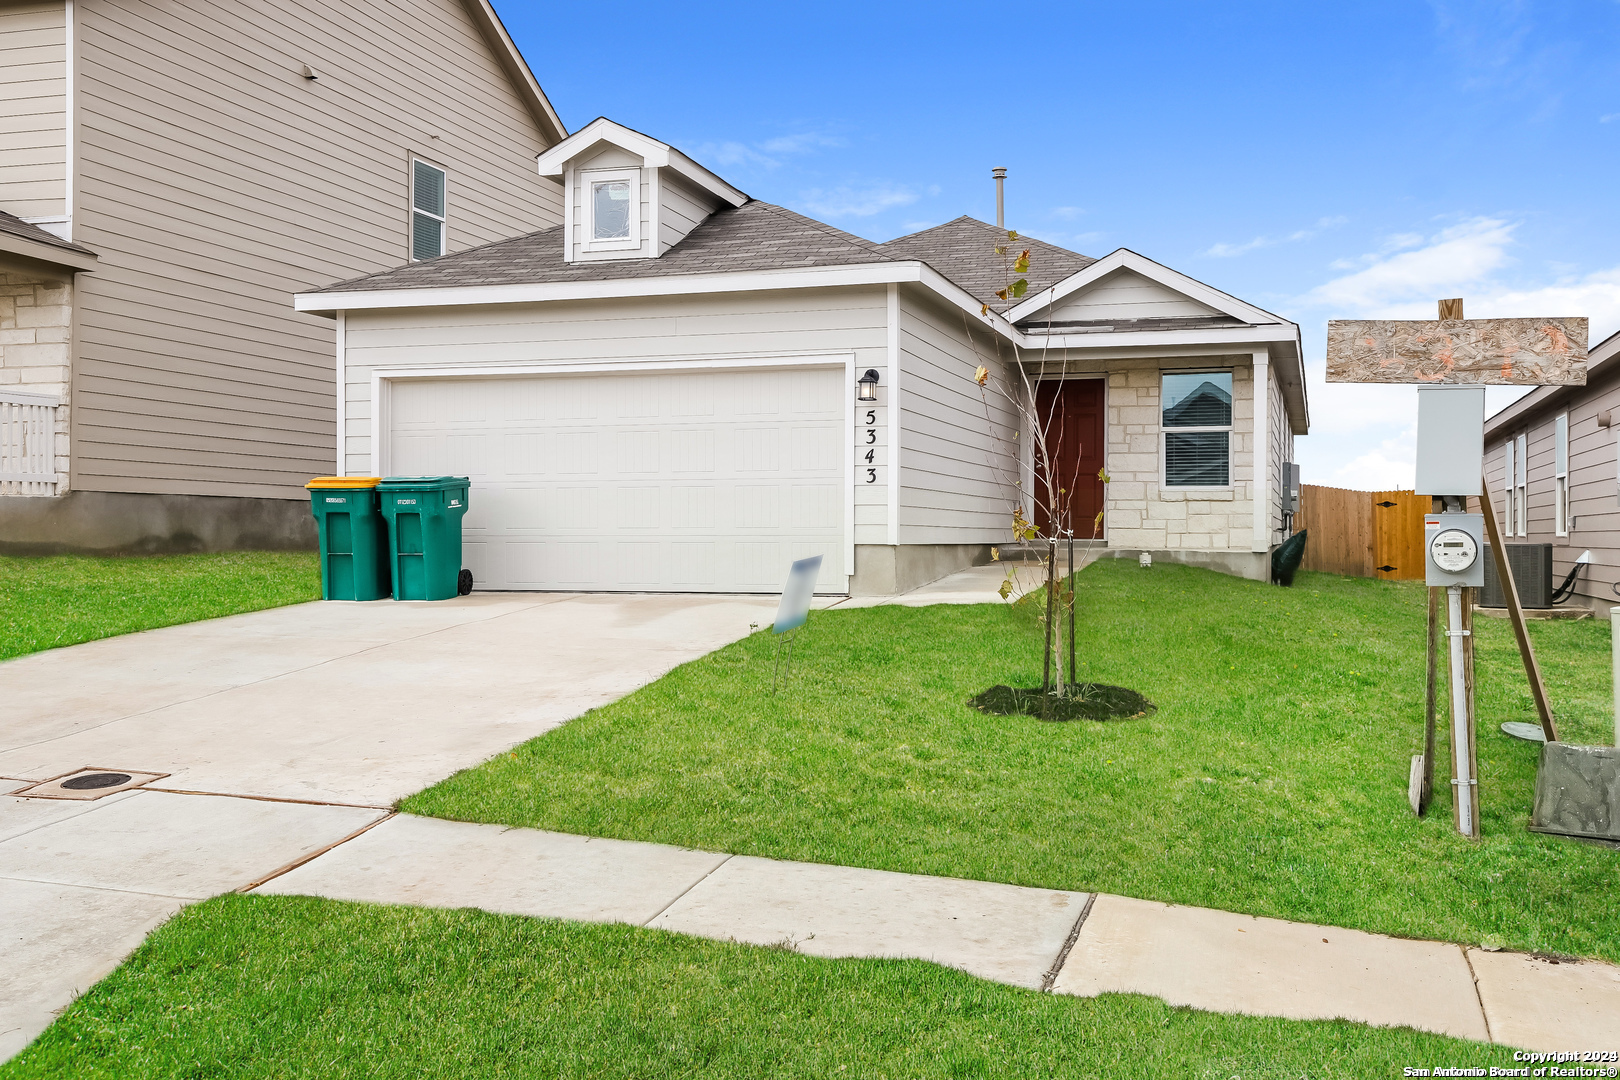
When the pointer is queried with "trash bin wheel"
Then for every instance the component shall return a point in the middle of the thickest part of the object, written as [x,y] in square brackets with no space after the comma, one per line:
[464,583]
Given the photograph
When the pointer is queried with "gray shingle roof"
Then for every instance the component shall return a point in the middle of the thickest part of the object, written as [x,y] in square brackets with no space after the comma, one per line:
[16,226]
[755,236]
[964,250]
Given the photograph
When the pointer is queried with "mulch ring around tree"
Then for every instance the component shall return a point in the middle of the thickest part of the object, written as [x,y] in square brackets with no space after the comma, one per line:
[1084,701]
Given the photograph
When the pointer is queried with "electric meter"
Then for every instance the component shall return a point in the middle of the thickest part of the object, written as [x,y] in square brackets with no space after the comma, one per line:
[1452,548]
[1453,551]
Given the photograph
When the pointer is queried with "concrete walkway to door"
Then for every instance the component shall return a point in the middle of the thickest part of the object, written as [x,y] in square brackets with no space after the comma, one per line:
[282,733]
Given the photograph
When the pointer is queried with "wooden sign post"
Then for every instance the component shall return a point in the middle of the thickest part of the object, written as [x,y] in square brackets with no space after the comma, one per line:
[1455,351]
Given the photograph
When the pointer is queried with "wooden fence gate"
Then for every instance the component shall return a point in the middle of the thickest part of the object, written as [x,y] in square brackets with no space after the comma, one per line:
[1363,533]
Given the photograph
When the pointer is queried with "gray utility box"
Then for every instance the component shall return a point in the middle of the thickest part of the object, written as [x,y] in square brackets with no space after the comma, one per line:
[1454,549]
[1532,568]
[1450,440]
[1290,491]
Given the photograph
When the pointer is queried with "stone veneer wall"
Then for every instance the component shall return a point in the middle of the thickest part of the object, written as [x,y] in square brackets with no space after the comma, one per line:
[1142,513]
[36,318]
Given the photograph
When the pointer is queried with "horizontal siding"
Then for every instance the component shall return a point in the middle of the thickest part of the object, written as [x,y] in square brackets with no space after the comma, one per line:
[735,326]
[1594,491]
[956,484]
[216,182]
[1126,294]
[33,109]
[680,210]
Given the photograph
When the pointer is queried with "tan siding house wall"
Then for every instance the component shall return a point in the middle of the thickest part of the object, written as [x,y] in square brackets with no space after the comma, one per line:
[33,109]
[215,181]
[1593,488]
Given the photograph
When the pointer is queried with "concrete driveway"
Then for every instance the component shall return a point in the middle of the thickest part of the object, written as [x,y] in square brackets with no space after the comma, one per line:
[282,733]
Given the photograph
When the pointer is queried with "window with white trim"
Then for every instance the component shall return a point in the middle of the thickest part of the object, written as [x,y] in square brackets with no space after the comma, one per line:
[1508,514]
[427,210]
[1561,475]
[612,209]
[1521,470]
[1196,414]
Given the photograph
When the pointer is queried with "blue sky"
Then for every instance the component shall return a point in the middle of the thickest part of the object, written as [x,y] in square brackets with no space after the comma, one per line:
[1320,160]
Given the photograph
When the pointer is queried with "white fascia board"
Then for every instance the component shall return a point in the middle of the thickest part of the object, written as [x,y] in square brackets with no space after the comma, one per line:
[1124,258]
[1219,335]
[703,178]
[654,154]
[677,285]
[957,296]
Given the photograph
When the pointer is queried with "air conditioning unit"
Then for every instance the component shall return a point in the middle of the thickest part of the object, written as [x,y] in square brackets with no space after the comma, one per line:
[1532,573]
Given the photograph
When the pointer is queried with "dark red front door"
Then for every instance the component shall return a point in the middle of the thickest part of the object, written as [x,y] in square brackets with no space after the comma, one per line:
[1072,412]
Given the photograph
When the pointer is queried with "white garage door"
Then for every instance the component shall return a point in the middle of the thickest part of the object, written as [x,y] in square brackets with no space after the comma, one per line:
[679,481]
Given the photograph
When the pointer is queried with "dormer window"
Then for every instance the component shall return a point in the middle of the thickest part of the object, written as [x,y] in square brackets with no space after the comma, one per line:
[613,209]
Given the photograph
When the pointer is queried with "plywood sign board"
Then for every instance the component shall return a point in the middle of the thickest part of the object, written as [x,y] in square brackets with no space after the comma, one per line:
[1515,352]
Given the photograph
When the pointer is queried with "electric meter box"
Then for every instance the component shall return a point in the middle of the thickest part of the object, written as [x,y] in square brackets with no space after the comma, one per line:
[1450,440]
[1454,549]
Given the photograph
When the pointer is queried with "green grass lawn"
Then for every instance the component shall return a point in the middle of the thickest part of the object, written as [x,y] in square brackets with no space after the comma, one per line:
[1272,779]
[65,599]
[295,987]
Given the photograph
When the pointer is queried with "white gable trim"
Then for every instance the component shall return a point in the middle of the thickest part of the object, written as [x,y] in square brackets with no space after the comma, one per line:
[1125,259]
[553,163]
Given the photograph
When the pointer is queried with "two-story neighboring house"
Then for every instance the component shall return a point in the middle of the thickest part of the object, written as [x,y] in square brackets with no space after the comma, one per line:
[170,173]
[1550,470]
[683,388]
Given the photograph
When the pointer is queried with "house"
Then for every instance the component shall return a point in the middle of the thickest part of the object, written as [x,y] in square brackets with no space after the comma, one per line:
[663,391]
[170,173]
[1550,470]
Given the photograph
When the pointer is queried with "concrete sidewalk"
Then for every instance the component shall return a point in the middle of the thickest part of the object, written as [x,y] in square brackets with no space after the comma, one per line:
[1073,943]
[282,733]
[287,734]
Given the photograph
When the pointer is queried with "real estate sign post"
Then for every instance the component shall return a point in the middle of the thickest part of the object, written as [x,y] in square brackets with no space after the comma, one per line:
[1454,352]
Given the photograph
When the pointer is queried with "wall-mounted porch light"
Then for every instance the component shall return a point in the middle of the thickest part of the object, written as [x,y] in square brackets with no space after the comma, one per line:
[867,387]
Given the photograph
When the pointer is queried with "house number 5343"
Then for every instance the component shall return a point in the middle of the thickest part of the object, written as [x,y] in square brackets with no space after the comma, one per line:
[869,448]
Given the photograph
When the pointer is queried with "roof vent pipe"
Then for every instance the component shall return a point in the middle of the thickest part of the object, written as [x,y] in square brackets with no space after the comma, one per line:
[1001,202]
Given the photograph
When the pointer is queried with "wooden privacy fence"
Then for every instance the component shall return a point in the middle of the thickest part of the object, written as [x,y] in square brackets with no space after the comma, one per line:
[1375,534]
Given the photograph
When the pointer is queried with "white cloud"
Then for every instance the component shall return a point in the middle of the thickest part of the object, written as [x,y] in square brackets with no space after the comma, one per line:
[1609,119]
[1596,296]
[766,154]
[916,226]
[1462,255]
[852,202]
[733,153]
[1066,213]
[1227,251]
[800,144]
[1389,467]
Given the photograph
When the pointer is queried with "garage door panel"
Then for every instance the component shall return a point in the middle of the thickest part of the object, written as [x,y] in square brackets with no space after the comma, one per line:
[637,481]
[637,451]
[639,509]
[691,507]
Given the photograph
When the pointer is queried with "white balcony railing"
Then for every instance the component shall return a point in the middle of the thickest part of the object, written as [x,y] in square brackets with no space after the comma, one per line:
[28,444]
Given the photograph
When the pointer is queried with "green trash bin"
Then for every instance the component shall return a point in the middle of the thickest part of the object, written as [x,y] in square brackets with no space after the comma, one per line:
[354,537]
[424,535]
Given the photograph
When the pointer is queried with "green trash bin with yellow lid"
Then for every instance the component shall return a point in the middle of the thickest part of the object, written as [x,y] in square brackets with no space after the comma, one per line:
[424,535]
[354,537]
